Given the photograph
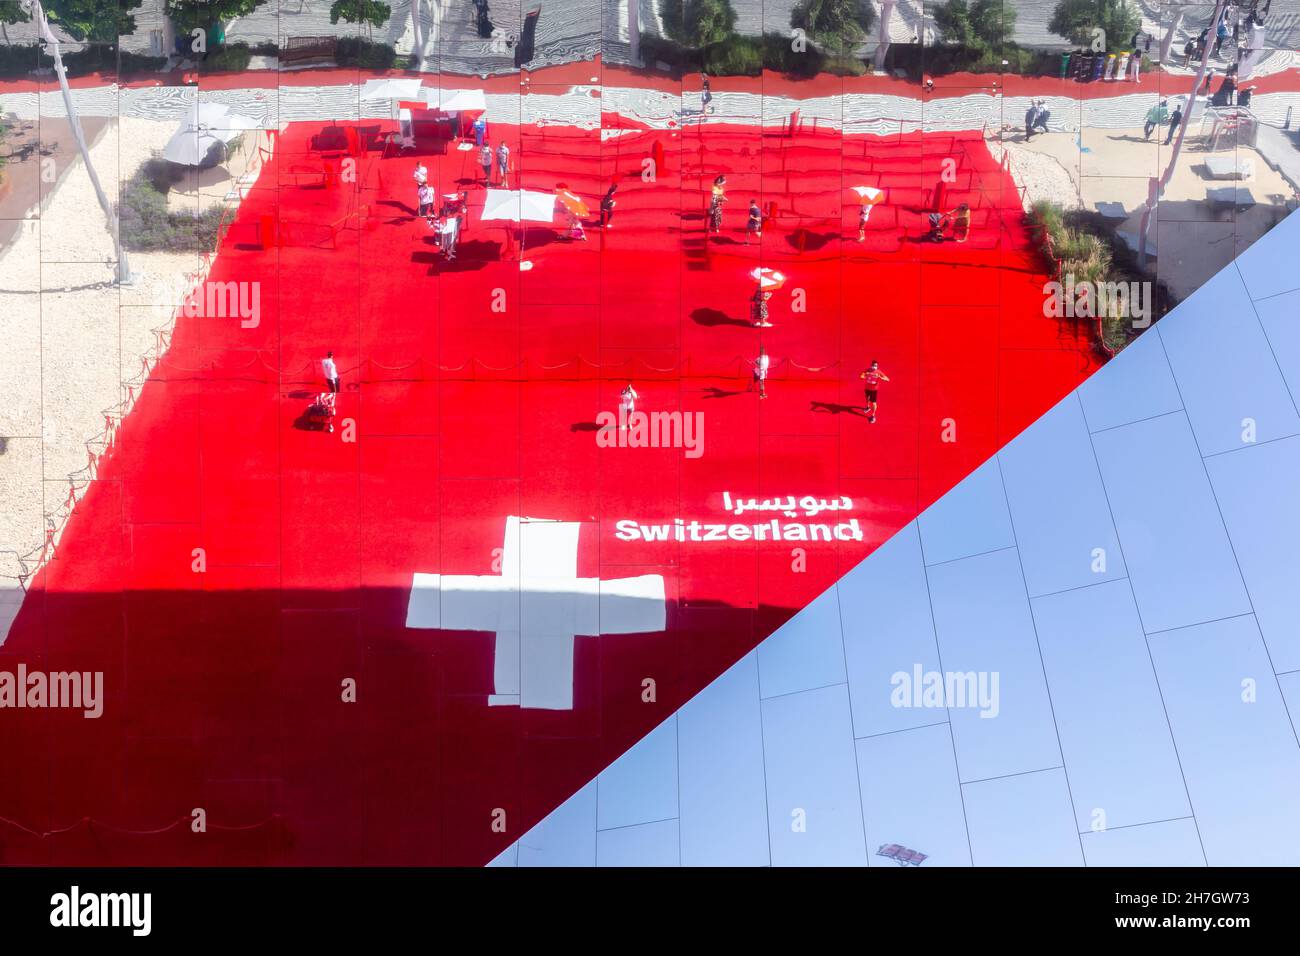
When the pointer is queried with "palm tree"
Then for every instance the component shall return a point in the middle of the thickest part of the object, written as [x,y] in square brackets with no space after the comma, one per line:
[43,25]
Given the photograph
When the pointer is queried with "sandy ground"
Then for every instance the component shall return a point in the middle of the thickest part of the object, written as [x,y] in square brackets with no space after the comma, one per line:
[1191,239]
[72,340]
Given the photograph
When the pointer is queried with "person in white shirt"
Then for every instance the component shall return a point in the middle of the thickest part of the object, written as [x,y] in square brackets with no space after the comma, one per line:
[503,164]
[761,365]
[627,405]
[425,192]
[450,233]
[331,372]
[421,175]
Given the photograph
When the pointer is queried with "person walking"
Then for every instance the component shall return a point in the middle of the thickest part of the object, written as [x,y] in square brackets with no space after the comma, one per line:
[1158,115]
[761,365]
[872,376]
[706,95]
[1173,123]
[485,160]
[1031,119]
[754,227]
[480,130]
[331,372]
[503,164]
[758,309]
[607,207]
[864,213]
[425,194]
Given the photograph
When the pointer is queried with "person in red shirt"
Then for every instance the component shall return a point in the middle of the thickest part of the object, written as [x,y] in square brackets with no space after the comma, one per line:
[872,377]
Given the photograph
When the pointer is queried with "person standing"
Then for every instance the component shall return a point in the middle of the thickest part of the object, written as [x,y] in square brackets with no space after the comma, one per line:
[872,376]
[706,95]
[1156,116]
[503,164]
[754,227]
[1173,123]
[626,405]
[480,130]
[715,212]
[758,309]
[864,213]
[426,197]
[450,232]
[1031,119]
[761,365]
[331,372]
[485,160]
[607,207]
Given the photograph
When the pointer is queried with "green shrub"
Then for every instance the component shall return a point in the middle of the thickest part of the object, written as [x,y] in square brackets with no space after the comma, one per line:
[147,225]
[364,54]
[233,58]
[1089,250]
[18,60]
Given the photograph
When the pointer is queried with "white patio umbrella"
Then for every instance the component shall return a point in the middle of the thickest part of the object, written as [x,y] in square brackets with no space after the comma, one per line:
[204,126]
[392,89]
[458,101]
[519,205]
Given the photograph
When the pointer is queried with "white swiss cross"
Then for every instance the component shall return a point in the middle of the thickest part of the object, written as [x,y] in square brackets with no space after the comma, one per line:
[536,606]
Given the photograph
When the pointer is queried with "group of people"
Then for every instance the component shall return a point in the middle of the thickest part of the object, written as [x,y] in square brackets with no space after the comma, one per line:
[447,220]
[1036,118]
[1231,24]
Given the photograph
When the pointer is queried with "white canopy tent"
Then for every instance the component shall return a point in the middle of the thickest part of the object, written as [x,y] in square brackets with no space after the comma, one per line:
[391,89]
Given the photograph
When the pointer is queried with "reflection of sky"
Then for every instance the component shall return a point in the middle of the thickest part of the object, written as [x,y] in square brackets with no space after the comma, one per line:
[1147,703]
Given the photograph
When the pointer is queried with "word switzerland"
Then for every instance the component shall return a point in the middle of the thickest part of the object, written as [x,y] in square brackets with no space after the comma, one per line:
[773,530]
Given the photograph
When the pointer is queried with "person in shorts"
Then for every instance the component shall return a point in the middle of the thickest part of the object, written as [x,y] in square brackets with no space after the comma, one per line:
[871,377]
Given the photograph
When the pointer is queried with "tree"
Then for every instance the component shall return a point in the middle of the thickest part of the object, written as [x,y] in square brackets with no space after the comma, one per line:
[370,12]
[698,23]
[94,21]
[202,14]
[89,26]
[11,11]
[983,24]
[1078,21]
[835,25]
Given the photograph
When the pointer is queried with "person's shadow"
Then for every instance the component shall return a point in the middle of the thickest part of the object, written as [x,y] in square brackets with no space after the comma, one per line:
[712,391]
[711,318]
[837,409]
